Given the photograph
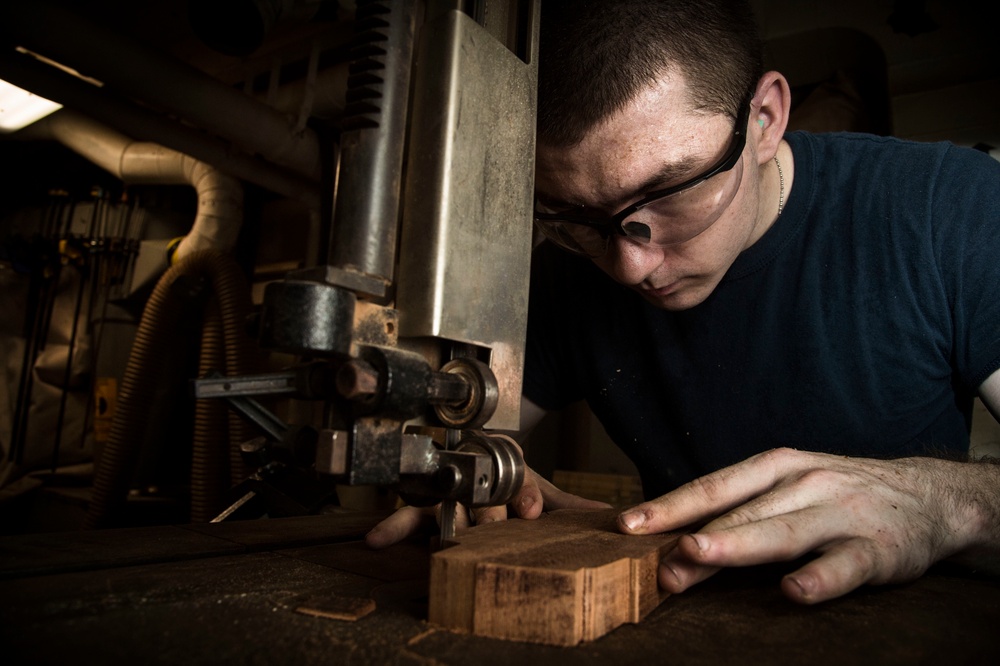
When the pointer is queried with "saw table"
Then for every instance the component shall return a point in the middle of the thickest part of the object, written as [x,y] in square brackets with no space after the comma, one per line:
[268,591]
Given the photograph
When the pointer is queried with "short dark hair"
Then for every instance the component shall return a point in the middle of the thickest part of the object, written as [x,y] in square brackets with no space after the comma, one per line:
[595,56]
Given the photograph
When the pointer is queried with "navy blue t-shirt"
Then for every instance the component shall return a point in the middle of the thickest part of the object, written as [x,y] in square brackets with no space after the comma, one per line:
[861,323]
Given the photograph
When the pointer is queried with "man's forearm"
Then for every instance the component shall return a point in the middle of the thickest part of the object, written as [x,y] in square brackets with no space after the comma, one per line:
[976,493]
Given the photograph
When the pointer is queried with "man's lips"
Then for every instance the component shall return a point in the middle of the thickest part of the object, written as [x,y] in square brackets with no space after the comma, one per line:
[665,290]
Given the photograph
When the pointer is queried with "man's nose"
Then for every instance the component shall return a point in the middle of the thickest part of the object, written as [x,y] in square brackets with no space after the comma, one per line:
[629,262]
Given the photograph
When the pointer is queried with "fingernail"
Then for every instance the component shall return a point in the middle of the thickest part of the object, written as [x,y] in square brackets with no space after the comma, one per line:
[803,585]
[700,541]
[526,502]
[675,580]
[633,520]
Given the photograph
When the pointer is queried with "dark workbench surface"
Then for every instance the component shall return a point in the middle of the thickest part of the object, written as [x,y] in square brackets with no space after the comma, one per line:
[228,593]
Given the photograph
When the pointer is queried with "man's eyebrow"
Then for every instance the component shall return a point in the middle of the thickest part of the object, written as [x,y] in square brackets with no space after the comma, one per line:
[668,173]
[673,171]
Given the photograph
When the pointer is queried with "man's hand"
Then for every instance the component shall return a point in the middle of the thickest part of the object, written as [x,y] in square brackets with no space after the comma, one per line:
[535,496]
[870,521]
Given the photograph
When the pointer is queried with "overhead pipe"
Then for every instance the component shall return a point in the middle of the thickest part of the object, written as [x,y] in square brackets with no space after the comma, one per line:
[130,68]
[220,197]
[110,109]
[327,91]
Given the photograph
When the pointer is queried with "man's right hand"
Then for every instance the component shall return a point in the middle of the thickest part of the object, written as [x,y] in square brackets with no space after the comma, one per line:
[536,495]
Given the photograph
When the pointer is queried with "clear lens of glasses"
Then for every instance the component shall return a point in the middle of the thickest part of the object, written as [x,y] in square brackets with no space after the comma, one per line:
[668,221]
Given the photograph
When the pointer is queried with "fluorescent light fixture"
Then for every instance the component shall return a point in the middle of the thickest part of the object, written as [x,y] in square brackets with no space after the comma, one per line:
[19,108]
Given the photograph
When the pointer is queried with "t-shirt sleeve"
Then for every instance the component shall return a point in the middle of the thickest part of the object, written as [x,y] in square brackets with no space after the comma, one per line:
[965,213]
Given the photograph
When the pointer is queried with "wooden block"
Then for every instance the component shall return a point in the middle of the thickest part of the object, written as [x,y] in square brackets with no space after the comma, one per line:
[567,577]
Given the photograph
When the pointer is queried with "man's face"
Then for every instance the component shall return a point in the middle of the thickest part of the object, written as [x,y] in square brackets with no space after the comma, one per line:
[657,141]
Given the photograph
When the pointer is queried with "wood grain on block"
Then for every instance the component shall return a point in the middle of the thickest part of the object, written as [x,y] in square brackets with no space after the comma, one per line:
[568,576]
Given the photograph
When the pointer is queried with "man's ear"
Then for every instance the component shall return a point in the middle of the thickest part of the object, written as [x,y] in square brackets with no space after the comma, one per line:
[770,107]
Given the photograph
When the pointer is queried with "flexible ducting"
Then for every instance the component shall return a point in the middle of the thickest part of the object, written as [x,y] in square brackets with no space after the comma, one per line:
[201,254]
[220,197]
[209,462]
[155,339]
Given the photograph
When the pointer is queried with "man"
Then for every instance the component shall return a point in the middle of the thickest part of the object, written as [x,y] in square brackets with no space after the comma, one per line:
[785,333]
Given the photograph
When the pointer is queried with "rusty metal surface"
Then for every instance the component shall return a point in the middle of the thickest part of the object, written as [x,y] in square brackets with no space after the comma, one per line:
[466,234]
[212,607]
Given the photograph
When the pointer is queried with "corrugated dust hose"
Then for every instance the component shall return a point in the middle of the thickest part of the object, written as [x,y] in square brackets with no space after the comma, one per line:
[225,346]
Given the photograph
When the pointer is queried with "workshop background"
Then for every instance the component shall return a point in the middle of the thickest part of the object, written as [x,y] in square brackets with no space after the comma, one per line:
[80,251]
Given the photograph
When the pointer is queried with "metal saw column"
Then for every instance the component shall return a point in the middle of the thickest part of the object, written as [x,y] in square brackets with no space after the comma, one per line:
[465,247]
